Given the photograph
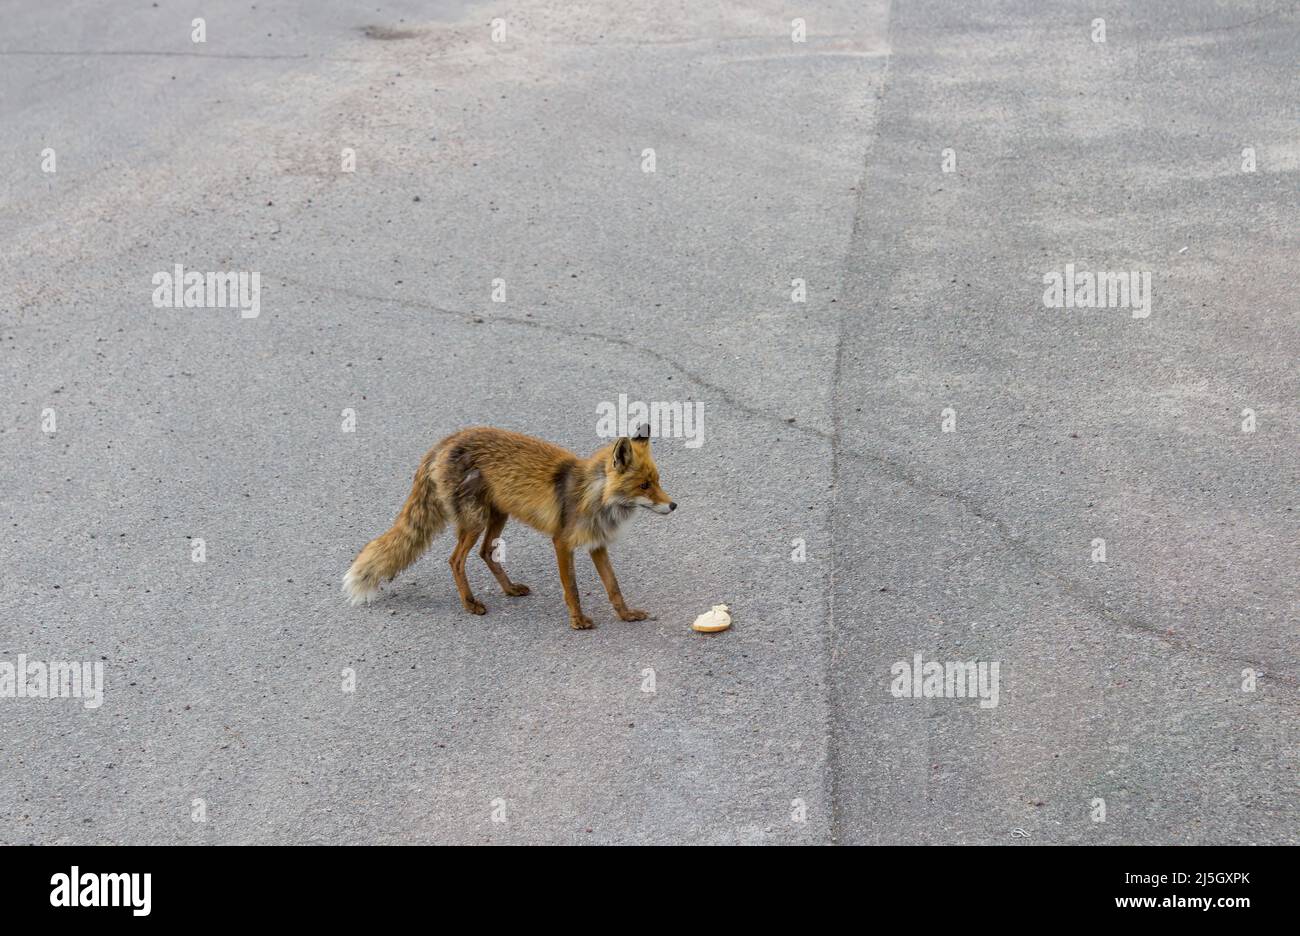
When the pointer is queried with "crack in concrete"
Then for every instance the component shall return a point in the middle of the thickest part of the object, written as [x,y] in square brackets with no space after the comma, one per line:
[833,708]
[1042,565]
[1251,22]
[694,376]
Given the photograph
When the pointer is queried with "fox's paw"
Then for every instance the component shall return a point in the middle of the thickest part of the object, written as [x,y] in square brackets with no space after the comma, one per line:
[632,614]
[516,590]
[580,622]
[474,606]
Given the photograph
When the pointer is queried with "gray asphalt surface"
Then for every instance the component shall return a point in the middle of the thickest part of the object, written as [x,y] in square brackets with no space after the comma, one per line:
[775,160]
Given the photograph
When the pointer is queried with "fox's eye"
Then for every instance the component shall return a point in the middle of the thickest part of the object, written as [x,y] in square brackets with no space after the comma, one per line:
[645,485]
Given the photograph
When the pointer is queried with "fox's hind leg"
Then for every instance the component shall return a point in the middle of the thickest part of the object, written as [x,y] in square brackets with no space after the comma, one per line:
[466,536]
[497,523]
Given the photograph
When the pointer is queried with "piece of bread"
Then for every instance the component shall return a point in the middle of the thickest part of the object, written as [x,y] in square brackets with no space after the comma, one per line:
[710,622]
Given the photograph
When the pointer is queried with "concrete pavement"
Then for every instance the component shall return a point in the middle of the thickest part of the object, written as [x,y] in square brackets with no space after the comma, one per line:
[285,441]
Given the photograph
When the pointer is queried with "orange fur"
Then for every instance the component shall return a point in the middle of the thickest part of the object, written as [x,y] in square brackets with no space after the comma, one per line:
[476,478]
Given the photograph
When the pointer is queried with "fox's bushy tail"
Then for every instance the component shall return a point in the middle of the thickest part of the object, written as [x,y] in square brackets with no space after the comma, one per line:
[420,520]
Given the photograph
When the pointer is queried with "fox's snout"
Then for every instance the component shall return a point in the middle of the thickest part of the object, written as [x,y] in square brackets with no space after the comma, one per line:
[658,501]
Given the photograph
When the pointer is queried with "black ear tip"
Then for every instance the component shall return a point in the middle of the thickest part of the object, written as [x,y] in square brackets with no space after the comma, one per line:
[642,431]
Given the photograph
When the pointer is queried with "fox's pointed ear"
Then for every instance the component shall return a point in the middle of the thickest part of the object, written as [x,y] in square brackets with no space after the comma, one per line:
[622,453]
[641,433]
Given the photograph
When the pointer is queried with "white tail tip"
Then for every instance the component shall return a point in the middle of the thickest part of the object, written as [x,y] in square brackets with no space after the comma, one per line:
[355,587]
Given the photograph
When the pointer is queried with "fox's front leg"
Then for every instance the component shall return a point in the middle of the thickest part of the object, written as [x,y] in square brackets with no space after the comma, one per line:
[601,558]
[564,559]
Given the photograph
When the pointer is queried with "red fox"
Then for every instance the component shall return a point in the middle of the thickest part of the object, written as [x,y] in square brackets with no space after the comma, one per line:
[477,478]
